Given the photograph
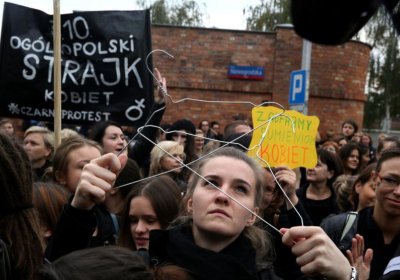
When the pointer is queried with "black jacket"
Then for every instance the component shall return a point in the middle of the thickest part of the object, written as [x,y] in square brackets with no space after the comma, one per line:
[176,246]
[373,238]
[75,228]
[317,210]
[285,263]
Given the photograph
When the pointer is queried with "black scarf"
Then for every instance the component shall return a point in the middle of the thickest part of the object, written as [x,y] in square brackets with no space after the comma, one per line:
[177,247]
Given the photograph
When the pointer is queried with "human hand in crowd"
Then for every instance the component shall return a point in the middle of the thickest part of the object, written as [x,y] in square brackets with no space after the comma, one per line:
[357,258]
[97,178]
[316,253]
[159,96]
[287,179]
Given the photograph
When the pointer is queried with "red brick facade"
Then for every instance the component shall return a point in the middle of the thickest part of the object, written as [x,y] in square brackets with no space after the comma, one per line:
[199,71]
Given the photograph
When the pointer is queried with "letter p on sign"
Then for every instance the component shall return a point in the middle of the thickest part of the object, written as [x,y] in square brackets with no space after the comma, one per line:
[297,92]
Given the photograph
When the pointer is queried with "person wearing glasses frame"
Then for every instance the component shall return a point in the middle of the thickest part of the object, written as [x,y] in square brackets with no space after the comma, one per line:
[378,226]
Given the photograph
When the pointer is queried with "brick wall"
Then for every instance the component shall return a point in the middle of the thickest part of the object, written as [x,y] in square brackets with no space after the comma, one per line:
[199,71]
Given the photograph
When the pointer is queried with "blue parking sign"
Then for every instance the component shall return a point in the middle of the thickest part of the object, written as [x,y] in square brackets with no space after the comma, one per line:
[297,92]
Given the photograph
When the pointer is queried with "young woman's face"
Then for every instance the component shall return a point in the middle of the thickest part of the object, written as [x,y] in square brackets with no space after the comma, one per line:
[342,142]
[204,126]
[77,159]
[365,140]
[214,214]
[366,194]
[347,130]
[199,141]
[169,163]
[142,219]
[180,137]
[353,160]
[319,173]
[113,140]
[366,158]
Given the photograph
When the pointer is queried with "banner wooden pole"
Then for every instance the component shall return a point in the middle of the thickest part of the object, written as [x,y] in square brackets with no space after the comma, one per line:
[57,71]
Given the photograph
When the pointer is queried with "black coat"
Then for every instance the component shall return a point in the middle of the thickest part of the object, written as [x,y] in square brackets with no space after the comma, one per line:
[177,247]
[366,226]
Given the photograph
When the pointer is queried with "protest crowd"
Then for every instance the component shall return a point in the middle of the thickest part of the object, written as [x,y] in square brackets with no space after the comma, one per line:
[184,203]
[187,199]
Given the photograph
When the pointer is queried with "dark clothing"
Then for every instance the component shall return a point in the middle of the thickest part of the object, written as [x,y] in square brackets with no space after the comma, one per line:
[176,246]
[140,151]
[285,263]
[392,271]
[373,238]
[38,173]
[317,210]
[75,228]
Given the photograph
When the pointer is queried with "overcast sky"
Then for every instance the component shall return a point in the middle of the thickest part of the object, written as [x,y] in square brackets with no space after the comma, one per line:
[227,14]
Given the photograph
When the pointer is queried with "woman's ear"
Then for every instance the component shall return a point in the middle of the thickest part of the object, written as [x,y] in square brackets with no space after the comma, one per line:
[48,152]
[331,173]
[252,219]
[189,205]
[358,187]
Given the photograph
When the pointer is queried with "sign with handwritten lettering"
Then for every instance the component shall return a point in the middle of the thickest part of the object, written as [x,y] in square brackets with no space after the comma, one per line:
[289,140]
[104,76]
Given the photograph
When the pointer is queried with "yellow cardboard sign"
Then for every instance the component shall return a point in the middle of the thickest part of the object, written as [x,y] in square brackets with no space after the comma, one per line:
[281,145]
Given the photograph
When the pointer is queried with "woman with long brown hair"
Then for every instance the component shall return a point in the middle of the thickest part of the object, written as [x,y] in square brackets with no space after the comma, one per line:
[19,222]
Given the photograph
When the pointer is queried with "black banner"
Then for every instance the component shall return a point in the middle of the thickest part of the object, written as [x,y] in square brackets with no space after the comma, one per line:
[104,74]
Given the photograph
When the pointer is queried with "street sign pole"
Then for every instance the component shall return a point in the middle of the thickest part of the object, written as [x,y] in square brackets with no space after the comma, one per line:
[306,65]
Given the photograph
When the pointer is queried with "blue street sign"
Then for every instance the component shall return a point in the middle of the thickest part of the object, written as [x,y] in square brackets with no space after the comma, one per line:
[297,92]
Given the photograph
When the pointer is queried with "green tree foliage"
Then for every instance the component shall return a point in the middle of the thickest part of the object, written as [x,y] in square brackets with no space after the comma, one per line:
[266,15]
[183,12]
[384,73]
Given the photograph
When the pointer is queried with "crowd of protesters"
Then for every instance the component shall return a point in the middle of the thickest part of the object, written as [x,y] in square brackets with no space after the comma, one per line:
[173,204]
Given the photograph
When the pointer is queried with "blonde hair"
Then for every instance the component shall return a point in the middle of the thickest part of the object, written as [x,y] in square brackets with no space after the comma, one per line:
[157,153]
[48,136]
[66,133]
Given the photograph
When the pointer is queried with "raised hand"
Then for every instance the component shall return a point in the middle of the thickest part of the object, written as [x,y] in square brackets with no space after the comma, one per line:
[316,253]
[97,179]
[357,258]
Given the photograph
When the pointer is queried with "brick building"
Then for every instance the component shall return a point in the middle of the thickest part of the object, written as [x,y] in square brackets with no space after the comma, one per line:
[199,71]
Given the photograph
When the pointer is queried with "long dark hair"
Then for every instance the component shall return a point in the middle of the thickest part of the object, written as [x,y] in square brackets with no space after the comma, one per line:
[19,222]
[164,196]
[345,153]
[98,130]
[332,162]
